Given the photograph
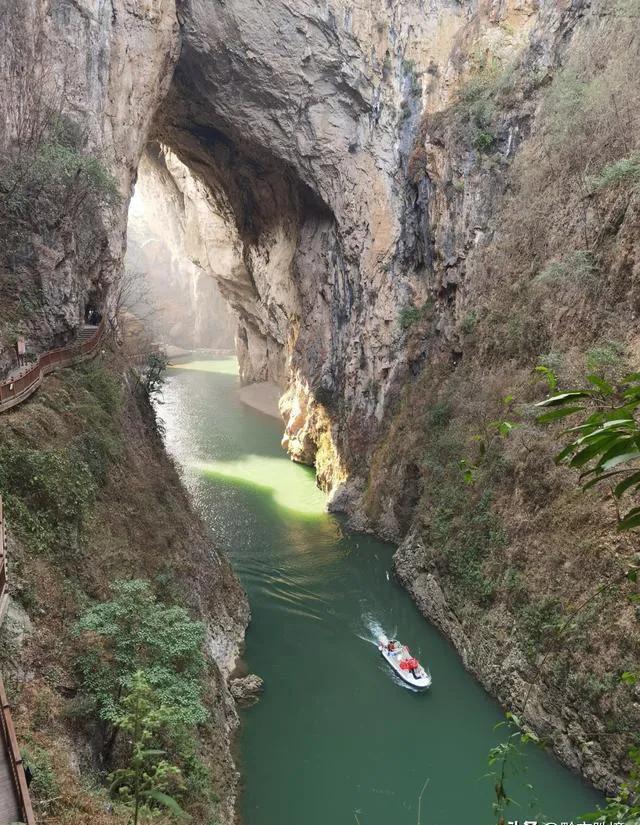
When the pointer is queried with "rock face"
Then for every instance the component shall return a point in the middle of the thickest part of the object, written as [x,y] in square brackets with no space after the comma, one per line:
[173,255]
[387,173]
[246,690]
[100,69]
[293,114]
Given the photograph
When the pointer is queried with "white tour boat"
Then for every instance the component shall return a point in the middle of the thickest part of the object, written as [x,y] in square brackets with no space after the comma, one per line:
[405,665]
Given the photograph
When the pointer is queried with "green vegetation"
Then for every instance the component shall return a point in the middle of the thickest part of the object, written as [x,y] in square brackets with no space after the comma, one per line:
[79,522]
[539,622]
[478,103]
[49,493]
[483,140]
[154,373]
[51,185]
[147,781]
[506,760]
[50,179]
[607,358]
[134,631]
[44,787]
[467,531]
[410,315]
[623,172]
[579,267]
[606,445]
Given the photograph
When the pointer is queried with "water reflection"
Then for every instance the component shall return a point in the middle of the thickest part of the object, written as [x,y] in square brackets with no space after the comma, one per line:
[279,478]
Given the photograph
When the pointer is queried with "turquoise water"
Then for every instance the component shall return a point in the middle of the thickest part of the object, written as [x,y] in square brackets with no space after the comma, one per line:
[336,739]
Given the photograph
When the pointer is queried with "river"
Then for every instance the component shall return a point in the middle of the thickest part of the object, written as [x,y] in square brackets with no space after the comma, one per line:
[335,738]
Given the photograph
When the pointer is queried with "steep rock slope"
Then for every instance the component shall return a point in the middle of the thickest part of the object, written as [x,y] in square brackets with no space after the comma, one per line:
[89,437]
[419,224]
[80,80]
[175,245]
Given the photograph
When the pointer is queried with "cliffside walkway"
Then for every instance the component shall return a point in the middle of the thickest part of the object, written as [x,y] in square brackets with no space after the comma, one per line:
[15,803]
[22,383]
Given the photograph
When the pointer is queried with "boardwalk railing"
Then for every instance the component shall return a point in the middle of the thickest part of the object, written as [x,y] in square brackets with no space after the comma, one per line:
[4,587]
[15,759]
[15,390]
[7,731]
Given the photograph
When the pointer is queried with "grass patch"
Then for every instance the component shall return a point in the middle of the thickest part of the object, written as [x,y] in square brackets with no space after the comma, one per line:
[579,267]
[624,173]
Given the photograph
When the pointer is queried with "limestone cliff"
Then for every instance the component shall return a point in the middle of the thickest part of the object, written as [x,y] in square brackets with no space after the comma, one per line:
[78,78]
[173,255]
[416,231]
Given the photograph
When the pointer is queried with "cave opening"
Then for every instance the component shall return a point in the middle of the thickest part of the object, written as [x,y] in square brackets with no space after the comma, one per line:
[216,240]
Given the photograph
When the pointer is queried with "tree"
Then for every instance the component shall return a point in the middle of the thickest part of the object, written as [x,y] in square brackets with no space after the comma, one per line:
[605,444]
[148,781]
[153,380]
[132,632]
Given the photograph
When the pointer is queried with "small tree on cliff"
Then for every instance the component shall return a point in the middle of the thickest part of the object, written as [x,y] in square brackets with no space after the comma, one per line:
[148,781]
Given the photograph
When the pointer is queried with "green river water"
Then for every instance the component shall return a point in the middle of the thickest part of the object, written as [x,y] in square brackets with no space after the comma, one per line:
[335,735]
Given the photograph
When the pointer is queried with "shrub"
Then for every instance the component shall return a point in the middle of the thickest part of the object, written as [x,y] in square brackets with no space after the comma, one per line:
[624,172]
[131,632]
[578,267]
[410,315]
[154,378]
[483,140]
[538,624]
[48,494]
[145,783]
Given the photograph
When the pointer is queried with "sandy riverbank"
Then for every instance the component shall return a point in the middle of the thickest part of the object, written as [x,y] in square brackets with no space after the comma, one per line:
[263,397]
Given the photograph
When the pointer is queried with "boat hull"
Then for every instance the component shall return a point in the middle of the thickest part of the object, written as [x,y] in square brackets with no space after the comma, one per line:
[421,683]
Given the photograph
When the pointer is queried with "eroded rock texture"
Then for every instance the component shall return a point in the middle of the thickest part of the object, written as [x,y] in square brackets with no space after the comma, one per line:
[404,194]
[98,71]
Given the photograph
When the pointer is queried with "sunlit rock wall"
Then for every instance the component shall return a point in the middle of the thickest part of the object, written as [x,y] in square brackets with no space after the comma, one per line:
[304,118]
[170,268]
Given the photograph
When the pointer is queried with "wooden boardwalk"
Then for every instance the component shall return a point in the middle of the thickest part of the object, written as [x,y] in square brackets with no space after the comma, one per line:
[15,803]
[9,804]
[22,383]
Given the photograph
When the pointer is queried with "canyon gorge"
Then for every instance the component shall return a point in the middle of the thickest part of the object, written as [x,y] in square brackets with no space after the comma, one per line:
[392,211]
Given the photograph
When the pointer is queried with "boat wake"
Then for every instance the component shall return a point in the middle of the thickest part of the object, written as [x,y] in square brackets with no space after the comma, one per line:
[374,631]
